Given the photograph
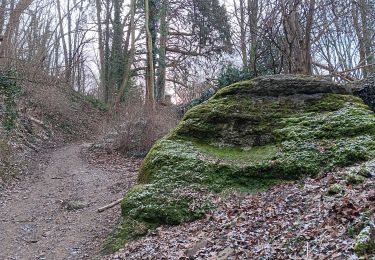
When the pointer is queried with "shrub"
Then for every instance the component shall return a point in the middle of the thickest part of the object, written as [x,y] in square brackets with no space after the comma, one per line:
[8,168]
[96,103]
[141,130]
[136,129]
[8,92]
[231,74]
[228,75]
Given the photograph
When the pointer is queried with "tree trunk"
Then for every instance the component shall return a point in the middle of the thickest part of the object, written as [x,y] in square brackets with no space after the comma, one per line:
[69,69]
[130,59]
[11,28]
[116,52]
[101,50]
[150,86]
[2,15]
[162,51]
[307,61]
[253,9]
[153,22]
[240,13]
[298,40]
[364,10]
[107,80]
[65,48]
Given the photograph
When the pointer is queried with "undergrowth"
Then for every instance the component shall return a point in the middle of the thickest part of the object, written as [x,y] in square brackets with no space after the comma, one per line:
[9,90]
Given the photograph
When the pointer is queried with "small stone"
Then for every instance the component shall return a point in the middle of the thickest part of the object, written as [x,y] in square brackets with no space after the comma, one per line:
[75,205]
[225,254]
[194,250]
[371,195]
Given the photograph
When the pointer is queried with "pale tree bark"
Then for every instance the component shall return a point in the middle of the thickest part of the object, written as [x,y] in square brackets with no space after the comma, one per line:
[101,49]
[2,15]
[240,13]
[127,71]
[57,53]
[365,7]
[65,48]
[150,75]
[70,68]
[11,28]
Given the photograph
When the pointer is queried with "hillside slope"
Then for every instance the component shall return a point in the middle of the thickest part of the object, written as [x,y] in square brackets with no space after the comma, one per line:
[33,115]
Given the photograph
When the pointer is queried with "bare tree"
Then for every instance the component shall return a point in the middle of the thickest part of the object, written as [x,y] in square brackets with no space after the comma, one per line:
[150,72]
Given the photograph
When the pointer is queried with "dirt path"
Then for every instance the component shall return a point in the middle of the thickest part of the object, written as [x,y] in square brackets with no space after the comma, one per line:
[51,214]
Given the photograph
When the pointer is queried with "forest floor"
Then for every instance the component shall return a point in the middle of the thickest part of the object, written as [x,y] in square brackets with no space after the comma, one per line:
[296,220]
[51,212]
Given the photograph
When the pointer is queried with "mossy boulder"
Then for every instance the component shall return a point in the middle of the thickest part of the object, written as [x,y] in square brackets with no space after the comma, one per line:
[250,135]
[365,241]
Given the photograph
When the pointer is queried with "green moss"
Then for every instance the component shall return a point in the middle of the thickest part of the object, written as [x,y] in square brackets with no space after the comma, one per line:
[364,242]
[332,102]
[174,165]
[127,229]
[349,120]
[239,88]
[257,153]
[147,206]
[164,203]
[335,189]
[246,122]
[233,121]
[359,223]
[364,171]
[248,142]
[354,179]
[9,91]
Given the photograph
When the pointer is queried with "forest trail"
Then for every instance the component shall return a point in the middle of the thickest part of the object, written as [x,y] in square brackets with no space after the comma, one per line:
[52,212]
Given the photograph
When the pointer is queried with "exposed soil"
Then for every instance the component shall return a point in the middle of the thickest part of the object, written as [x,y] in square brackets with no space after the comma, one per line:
[51,213]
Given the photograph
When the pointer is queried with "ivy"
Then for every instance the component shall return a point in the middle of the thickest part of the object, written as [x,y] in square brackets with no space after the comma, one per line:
[9,91]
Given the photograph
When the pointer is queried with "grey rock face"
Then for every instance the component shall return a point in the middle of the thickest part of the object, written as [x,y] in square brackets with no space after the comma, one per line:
[286,85]
[365,89]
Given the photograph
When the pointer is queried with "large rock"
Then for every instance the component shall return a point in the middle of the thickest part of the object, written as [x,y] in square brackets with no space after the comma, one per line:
[365,89]
[249,136]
